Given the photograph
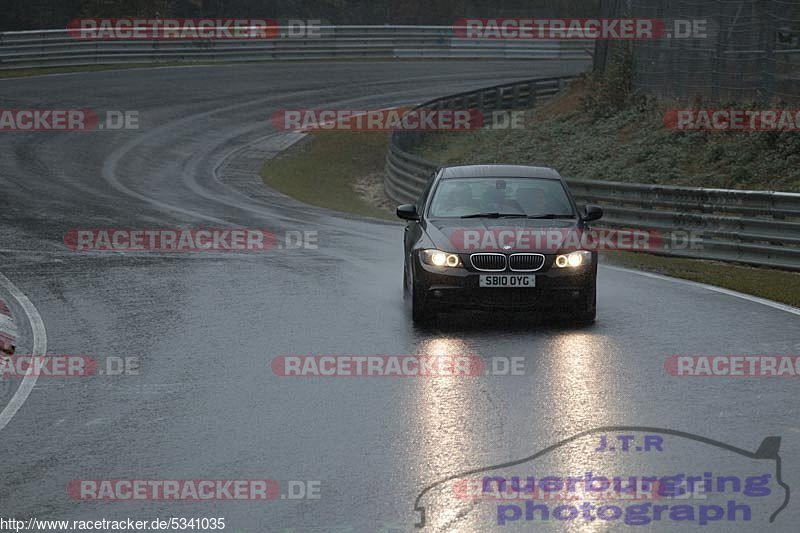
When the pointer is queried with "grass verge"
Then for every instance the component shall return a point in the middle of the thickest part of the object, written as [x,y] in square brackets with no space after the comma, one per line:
[776,285]
[629,145]
[340,170]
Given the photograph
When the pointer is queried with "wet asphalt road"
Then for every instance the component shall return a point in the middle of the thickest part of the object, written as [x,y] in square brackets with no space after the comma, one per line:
[205,327]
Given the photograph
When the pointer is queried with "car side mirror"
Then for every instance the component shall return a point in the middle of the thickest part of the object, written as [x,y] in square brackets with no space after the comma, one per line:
[592,212]
[407,212]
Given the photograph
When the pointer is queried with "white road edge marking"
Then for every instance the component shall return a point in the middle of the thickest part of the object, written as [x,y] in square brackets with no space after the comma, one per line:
[39,349]
[754,299]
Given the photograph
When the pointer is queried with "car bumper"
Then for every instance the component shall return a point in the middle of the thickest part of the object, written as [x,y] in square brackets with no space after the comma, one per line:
[459,288]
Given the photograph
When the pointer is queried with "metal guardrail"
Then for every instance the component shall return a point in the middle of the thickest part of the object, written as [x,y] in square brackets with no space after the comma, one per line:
[752,227]
[50,48]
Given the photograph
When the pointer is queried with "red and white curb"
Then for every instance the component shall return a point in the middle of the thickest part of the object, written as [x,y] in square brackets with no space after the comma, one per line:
[8,330]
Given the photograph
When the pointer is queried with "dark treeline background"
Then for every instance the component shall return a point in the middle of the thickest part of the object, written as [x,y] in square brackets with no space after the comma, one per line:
[54,14]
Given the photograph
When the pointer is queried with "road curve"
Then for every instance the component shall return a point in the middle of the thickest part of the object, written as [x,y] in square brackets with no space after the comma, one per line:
[205,327]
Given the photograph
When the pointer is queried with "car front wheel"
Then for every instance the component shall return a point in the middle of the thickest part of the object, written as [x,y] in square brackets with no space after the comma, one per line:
[405,283]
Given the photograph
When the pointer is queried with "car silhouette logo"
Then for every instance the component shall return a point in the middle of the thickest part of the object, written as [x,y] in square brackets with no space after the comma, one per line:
[505,505]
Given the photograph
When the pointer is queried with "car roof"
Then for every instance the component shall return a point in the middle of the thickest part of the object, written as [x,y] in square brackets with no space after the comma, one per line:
[499,171]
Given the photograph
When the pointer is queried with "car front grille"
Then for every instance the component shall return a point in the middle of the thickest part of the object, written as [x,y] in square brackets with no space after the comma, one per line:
[525,262]
[488,262]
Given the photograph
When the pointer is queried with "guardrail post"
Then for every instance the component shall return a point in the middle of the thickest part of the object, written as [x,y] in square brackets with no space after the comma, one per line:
[498,98]
[532,92]
[515,97]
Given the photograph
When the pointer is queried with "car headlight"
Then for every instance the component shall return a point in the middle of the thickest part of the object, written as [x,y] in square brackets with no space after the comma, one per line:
[440,259]
[574,259]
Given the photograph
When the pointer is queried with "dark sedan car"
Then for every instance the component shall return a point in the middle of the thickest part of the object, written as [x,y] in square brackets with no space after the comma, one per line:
[498,237]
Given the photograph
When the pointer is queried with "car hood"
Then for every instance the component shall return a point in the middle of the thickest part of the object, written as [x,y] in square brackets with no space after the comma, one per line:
[491,234]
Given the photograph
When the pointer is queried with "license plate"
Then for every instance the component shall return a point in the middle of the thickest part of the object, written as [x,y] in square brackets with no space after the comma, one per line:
[491,280]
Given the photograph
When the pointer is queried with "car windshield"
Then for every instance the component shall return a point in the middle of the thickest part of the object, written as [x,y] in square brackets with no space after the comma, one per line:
[500,197]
